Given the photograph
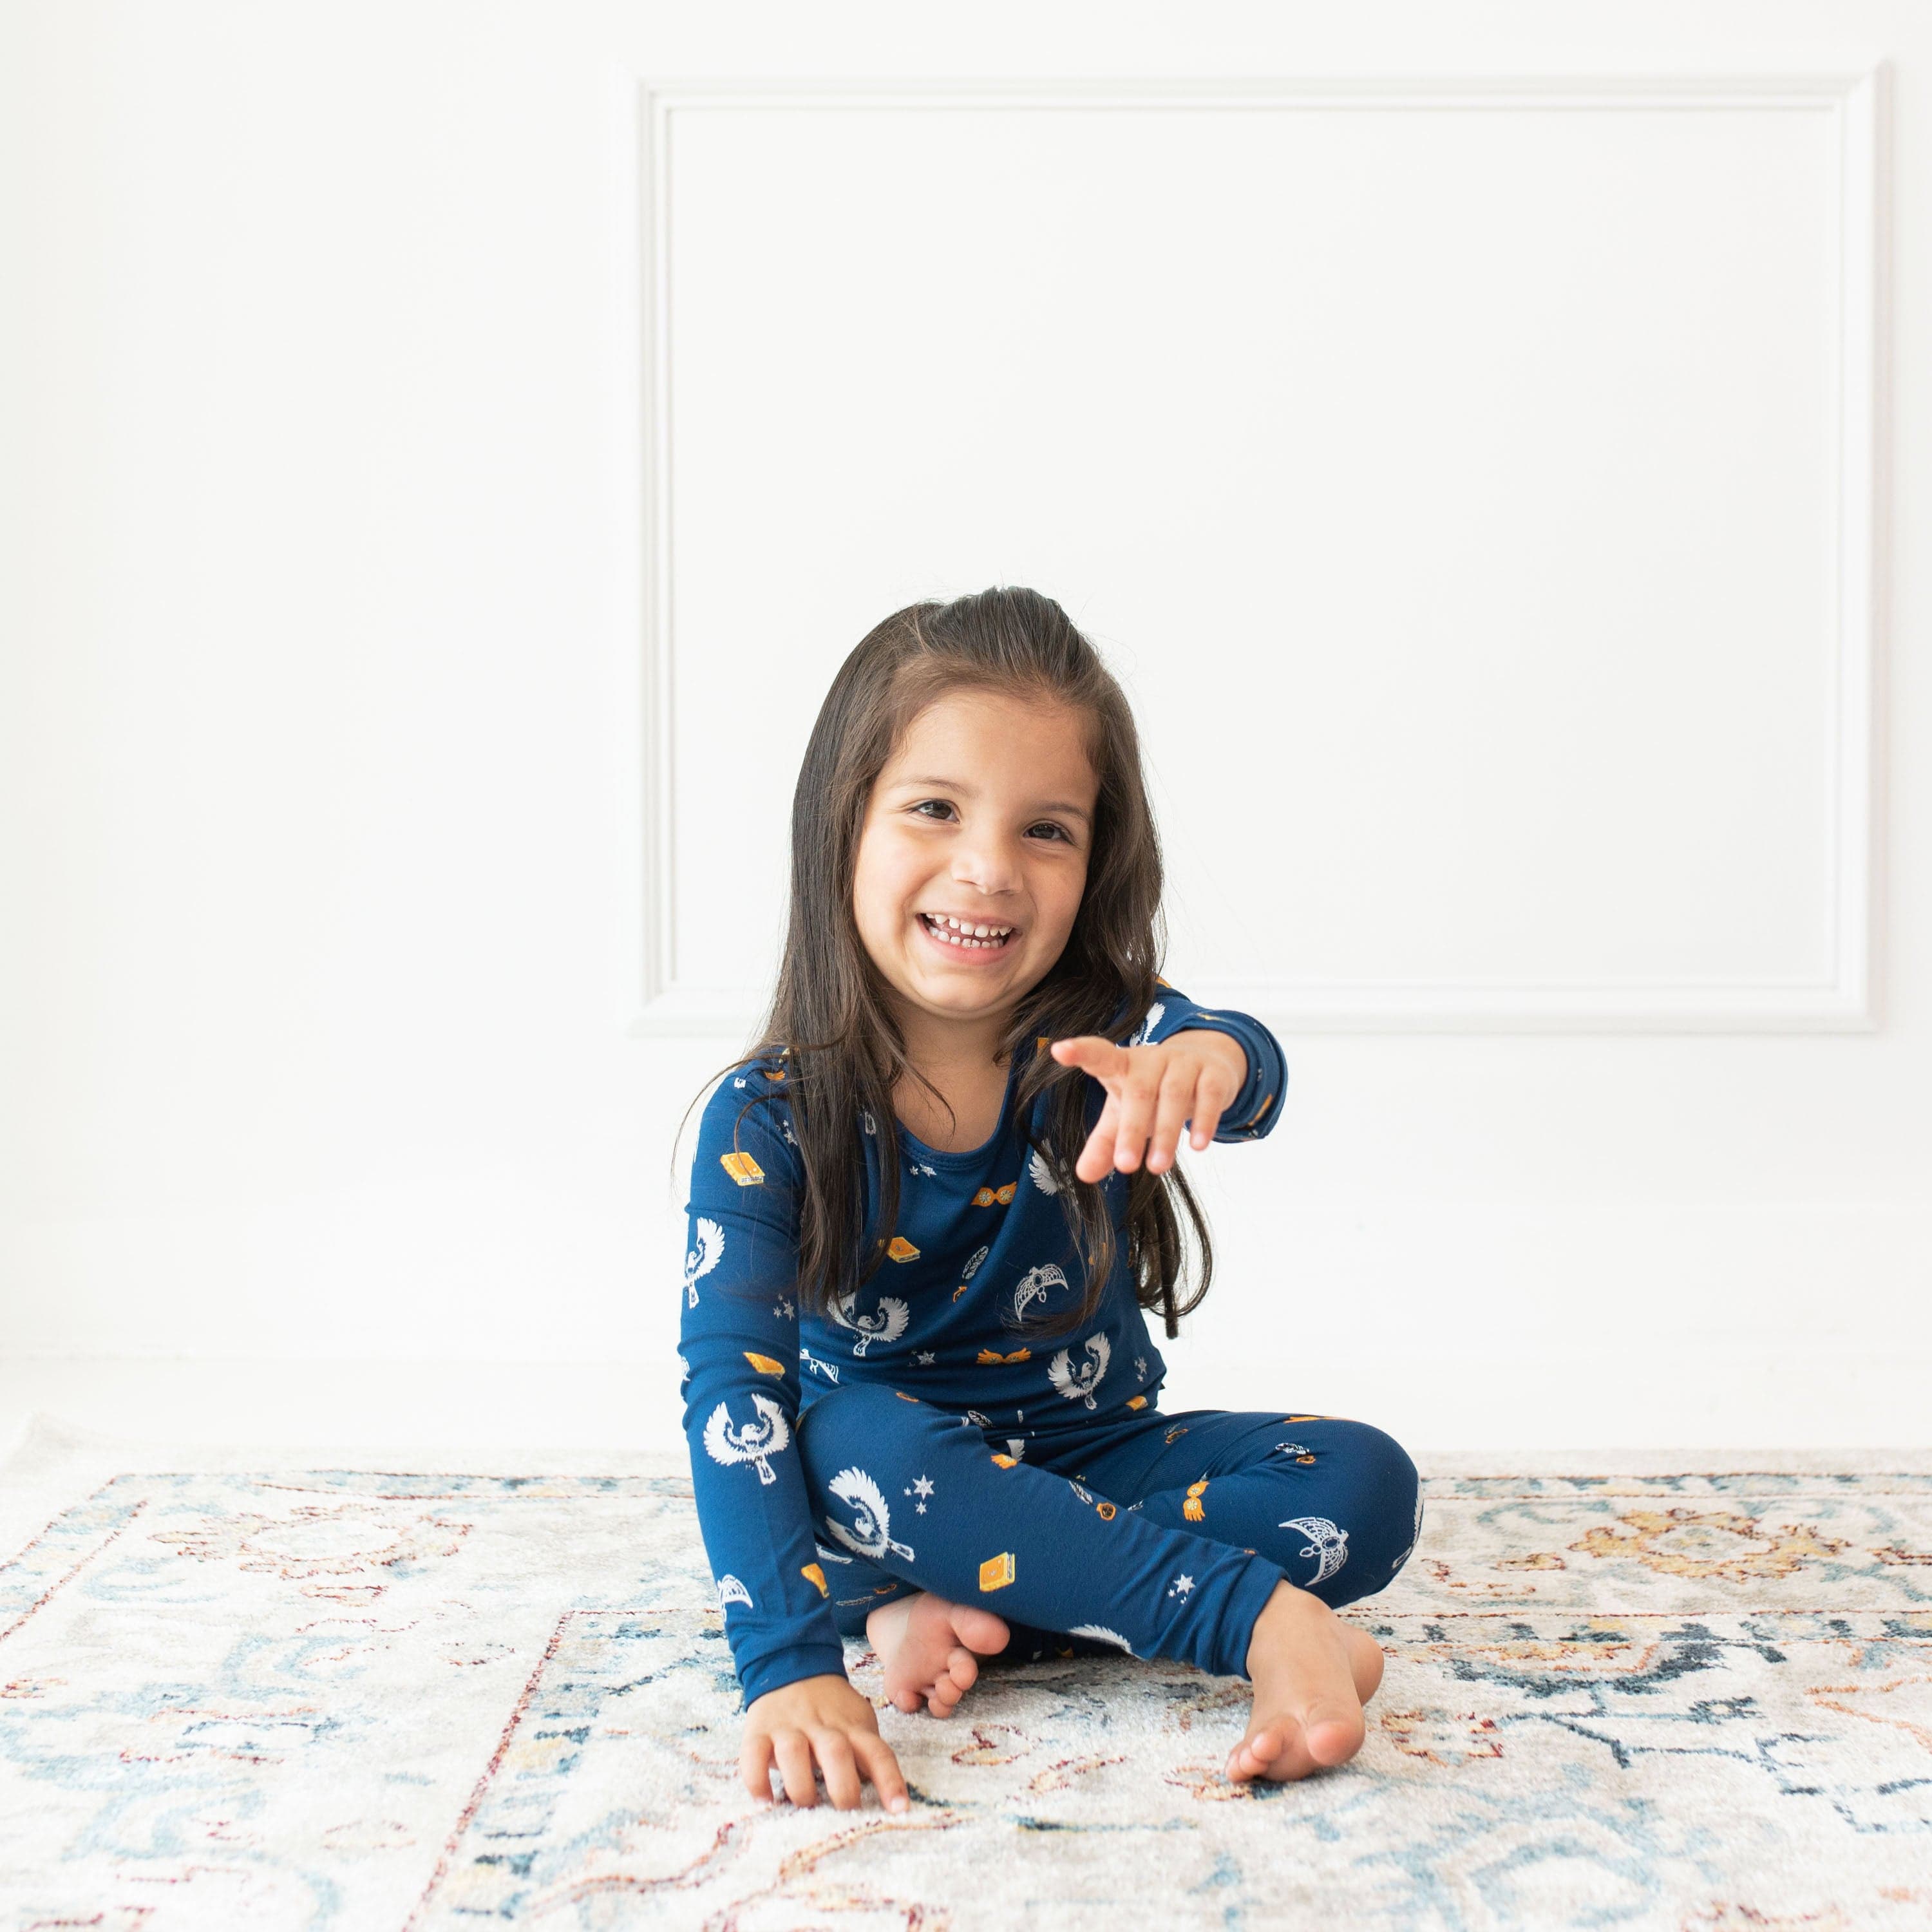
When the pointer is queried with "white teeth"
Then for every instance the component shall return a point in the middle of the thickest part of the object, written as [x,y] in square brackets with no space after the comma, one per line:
[960,932]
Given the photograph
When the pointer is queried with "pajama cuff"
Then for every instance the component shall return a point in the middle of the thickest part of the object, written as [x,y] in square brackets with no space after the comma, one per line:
[787,1666]
[1250,1113]
[1245,1602]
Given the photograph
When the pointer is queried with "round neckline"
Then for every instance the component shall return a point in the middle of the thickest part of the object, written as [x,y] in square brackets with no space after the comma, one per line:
[964,1157]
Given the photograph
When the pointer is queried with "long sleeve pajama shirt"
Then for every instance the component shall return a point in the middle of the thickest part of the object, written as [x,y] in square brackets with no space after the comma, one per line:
[839,1462]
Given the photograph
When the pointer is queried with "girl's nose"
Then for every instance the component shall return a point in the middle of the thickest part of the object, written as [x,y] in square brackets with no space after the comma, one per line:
[989,866]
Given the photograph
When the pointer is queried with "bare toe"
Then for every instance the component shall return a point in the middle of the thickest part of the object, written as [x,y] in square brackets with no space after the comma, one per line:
[1277,1751]
[1365,1659]
[979,1630]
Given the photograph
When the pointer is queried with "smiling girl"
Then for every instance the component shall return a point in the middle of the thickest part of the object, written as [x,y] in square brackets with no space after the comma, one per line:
[927,1212]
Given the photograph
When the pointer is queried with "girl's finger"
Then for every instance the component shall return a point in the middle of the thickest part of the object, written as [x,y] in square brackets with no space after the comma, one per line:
[1096,1157]
[842,1776]
[882,1768]
[794,1756]
[754,1766]
[1137,1105]
[1094,1052]
[1177,1093]
[1210,1096]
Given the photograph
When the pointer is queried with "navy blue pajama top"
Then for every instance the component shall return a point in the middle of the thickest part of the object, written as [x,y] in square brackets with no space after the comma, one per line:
[980,1244]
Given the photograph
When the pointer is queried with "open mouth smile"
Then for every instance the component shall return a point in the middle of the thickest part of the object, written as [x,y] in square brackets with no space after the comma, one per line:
[959,935]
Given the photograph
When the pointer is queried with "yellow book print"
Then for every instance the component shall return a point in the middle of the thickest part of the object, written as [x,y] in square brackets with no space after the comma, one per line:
[770,1075]
[764,1364]
[994,1355]
[1006,1462]
[1303,1418]
[900,1249]
[990,1197]
[996,1572]
[817,1576]
[742,1169]
[1137,1402]
[903,1397]
[1194,1509]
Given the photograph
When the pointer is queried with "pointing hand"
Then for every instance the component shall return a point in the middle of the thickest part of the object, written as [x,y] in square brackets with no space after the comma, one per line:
[1153,1093]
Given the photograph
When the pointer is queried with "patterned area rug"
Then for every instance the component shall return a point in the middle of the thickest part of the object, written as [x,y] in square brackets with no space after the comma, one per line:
[391,1693]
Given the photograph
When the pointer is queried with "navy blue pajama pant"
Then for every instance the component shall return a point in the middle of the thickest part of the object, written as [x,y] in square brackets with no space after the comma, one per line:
[1162,1535]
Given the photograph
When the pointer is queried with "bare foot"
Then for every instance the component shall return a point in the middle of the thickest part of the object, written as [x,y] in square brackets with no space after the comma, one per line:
[923,1642]
[1312,1673]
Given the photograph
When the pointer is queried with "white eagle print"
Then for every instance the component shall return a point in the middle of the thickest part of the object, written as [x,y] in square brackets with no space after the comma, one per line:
[684,1374]
[817,1364]
[725,1442]
[830,1555]
[1043,1175]
[1327,1544]
[1078,1385]
[871,1531]
[731,1591]
[887,1323]
[1154,1015]
[702,1258]
[1105,1635]
[1032,1286]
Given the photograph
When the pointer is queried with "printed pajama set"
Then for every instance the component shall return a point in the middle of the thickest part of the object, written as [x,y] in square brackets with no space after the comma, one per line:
[840,1462]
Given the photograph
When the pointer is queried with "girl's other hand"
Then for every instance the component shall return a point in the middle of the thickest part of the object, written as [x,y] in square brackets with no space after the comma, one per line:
[821,1717]
[1152,1092]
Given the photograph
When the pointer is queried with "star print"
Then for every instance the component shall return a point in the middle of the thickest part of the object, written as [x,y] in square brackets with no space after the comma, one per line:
[926,1356]
[1140,1368]
[783,1307]
[920,1508]
[924,1485]
[1183,1585]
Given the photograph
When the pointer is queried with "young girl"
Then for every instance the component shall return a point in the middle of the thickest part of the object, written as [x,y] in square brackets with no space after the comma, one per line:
[926,1214]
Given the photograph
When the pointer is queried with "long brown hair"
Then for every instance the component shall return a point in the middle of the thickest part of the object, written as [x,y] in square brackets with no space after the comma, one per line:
[843,1051]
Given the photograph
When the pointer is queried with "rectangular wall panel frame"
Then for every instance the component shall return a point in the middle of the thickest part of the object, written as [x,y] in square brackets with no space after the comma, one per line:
[1856,103]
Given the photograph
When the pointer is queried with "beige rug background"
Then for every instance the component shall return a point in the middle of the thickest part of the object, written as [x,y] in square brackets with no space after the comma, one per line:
[422,1686]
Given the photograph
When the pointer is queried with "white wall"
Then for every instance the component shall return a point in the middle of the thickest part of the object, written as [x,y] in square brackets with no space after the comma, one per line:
[447,453]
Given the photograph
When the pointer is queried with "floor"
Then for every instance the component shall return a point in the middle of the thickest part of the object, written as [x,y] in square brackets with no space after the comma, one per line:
[373,1693]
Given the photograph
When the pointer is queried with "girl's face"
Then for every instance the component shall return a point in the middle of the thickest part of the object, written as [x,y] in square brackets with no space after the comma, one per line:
[983,818]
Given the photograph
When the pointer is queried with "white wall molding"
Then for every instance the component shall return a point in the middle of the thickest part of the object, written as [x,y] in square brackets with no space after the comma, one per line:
[1845,998]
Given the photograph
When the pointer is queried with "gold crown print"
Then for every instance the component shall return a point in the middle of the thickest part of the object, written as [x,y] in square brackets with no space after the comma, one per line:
[742,1169]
